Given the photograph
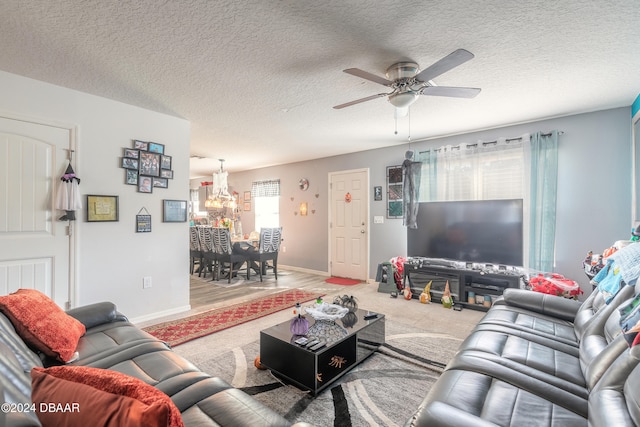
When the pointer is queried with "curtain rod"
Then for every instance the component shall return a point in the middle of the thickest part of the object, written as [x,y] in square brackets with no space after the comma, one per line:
[485,143]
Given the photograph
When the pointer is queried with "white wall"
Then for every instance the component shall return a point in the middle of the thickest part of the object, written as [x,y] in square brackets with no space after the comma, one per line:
[112,257]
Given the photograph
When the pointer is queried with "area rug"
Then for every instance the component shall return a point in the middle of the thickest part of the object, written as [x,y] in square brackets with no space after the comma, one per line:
[180,331]
[342,281]
[384,390]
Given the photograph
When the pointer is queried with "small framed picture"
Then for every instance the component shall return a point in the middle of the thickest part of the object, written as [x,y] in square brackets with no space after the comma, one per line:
[247,206]
[377,193]
[164,173]
[131,177]
[149,163]
[129,163]
[161,182]
[174,211]
[143,223]
[102,208]
[165,162]
[131,153]
[140,145]
[247,196]
[145,184]
[154,147]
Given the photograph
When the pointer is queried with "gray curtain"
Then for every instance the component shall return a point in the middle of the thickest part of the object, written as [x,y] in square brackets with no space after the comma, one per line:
[411,172]
[544,187]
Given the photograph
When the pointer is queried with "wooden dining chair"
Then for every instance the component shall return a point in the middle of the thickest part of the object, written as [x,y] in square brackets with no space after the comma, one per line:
[268,249]
[225,254]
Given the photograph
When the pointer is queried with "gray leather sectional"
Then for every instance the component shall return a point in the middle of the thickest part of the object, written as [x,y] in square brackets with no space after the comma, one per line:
[111,342]
[541,360]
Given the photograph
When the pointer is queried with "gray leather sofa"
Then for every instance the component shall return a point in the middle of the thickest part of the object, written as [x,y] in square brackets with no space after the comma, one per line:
[111,342]
[541,360]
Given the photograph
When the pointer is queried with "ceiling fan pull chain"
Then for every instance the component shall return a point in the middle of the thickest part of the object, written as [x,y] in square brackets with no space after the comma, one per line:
[409,114]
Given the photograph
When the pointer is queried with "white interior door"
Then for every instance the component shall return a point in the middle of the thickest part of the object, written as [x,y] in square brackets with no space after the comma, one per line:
[348,224]
[35,250]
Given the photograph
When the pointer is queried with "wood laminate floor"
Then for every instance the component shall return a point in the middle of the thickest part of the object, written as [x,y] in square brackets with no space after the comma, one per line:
[206,293]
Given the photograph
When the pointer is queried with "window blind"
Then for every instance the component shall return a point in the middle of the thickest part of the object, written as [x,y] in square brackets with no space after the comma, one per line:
[267,188]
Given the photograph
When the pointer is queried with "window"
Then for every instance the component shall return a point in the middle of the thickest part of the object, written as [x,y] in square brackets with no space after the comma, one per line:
[483,171]
[266,197]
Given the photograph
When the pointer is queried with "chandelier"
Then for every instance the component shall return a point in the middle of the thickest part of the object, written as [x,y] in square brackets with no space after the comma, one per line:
[220,197]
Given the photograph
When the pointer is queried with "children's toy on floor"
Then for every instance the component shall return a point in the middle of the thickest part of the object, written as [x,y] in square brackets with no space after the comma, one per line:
[447,300]
[425,296]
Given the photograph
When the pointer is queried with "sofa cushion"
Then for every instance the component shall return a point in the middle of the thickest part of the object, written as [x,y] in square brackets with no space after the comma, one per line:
[42,324]
[123,400]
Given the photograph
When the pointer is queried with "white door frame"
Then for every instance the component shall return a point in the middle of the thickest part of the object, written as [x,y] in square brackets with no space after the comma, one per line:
[72,229]
[367,215]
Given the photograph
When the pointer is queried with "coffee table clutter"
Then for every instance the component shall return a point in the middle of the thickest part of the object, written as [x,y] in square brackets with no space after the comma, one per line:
[326,311]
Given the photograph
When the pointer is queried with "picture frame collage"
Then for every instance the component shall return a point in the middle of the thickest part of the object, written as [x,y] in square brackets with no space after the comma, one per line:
[146,166]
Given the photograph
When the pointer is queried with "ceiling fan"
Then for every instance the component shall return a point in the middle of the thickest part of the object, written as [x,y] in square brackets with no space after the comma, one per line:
[408,82]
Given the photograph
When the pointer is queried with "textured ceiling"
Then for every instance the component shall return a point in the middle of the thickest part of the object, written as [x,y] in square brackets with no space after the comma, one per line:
[258,79]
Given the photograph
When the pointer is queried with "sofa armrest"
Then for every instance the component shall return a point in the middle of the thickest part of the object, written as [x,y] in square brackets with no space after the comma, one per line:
[96,314]
[551,305]
[440,414]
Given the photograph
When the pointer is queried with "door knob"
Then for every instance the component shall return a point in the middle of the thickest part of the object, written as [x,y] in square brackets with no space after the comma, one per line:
[362,231]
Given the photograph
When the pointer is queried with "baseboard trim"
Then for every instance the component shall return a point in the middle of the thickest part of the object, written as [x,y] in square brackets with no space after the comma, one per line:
[159,314]
[304,270]
[316,272]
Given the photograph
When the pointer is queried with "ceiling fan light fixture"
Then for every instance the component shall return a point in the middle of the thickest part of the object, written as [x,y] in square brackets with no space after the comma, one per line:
[403,99]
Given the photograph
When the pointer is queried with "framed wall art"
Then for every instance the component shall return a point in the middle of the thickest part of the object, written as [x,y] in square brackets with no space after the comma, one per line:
[146,166]
[145,184]
[394,191]
[102,208]
[174,211]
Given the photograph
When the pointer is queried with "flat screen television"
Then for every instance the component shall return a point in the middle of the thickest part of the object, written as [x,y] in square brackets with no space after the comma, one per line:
[482,231]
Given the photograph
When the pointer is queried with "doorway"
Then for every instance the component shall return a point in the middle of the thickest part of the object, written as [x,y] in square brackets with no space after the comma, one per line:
[36,250]
[349,224]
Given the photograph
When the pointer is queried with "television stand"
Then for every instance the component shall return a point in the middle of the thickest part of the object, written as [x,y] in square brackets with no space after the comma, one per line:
[468,287]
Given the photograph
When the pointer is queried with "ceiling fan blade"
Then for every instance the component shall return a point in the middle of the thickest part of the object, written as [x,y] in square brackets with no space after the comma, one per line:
[358,101]
[447,63]
[368,76]
[455,92]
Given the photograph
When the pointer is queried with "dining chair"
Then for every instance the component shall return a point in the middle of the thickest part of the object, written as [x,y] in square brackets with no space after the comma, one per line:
[225,254]
[268,249]
[208,251]
[195,252]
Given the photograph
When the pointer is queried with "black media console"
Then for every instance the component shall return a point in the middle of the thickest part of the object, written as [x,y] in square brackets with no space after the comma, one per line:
[473,288]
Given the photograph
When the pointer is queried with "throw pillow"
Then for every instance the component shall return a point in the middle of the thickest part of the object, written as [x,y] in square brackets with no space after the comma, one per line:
[42,324]
[86,396]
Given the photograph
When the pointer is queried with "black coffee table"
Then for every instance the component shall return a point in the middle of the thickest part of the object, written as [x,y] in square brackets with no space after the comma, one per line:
[349,341]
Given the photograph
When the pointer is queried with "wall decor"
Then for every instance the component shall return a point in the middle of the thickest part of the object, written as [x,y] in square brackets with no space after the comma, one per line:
[131,177]
[247,196]
[145,184]
[129,163]
[151,165]
[377,193]
[174,211]
[303,184]
[102,208]
[140,145]
[160,182]
[143,221]
[247,206]
[156,148]
[394,191]
[132,153]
